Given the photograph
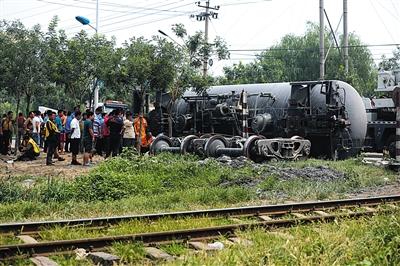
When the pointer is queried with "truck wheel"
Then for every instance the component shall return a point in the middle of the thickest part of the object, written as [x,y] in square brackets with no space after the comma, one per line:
[391,146]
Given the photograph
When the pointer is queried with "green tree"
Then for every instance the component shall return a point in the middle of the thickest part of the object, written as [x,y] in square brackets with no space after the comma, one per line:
[196,50]
[296,58]
[22,72]
[391,63]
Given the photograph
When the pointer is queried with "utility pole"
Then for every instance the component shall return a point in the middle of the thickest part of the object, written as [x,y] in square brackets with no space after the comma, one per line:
[345,37]
[206,16]
[96,84]
[321,41]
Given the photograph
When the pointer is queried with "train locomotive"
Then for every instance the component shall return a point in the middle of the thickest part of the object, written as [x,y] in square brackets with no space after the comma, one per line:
[287,121]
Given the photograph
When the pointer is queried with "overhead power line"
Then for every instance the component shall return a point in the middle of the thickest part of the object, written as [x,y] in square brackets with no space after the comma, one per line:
[148,14]
[134,7]
[316,48]
[141,16]
[102,9]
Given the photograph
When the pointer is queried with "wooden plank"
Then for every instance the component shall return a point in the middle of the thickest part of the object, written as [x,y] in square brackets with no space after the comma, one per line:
[157,254]
[43,261]
[264,218]
[103,258]
[322,213]
[27,239]
[347,211]
[298,215]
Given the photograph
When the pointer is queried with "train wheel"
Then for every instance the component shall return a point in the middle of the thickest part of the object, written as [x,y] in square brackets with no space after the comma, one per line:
[391,146]
[249,149]
[187,144]
[213,144]
[159,144]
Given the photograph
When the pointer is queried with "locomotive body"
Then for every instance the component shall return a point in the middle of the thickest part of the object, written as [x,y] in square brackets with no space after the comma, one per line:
[330,114]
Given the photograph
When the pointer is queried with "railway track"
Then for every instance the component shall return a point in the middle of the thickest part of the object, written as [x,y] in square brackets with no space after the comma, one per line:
[269,216]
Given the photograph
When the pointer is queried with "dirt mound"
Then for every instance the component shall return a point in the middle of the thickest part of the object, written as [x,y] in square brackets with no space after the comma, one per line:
[312,173]
[318,173]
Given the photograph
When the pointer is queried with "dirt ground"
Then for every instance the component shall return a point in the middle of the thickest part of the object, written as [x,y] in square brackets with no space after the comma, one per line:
[392,189]
[38,167]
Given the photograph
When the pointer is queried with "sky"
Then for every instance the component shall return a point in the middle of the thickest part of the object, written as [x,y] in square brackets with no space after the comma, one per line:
[245,24]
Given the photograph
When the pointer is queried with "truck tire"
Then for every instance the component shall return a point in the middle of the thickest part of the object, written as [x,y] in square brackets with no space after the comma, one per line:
[391,146]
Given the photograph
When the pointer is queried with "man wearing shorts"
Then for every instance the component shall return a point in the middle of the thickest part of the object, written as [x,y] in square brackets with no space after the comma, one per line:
[75,138]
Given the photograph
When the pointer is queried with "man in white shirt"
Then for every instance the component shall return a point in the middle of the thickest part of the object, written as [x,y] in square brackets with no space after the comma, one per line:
[75,137]
[36,121]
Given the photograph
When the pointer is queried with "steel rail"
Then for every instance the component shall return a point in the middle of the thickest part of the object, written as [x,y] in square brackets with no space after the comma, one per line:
[10,252]
[280,209]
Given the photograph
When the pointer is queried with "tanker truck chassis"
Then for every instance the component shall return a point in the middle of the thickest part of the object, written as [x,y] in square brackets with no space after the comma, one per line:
[284,121]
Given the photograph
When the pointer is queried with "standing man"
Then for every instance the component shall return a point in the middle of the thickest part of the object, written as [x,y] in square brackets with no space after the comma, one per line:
[75,138]
[28,125]
[67,127]
[7,127]
[143,136]
[128,140]
[36,121]
[98,131]
[115,125]
[20,125]
[52,135]
[60,126]
[106,134]
[88,138]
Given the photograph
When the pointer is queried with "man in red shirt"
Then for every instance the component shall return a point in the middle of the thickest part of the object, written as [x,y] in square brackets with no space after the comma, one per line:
[106,135]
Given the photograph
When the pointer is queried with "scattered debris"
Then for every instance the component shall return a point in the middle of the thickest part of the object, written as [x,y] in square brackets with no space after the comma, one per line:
[216,245]
[376,159]
[206,247]
[80,253]
[28,183]
[318,173]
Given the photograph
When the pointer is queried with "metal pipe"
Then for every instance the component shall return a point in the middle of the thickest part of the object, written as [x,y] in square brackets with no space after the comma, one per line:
[232,152]
[171,149]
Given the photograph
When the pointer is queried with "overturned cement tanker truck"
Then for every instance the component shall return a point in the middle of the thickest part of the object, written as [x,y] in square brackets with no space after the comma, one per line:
[261,121]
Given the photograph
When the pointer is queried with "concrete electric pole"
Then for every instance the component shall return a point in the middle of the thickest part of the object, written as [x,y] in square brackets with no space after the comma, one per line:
[345,37]
[321,41]
[206,16]
[96,88]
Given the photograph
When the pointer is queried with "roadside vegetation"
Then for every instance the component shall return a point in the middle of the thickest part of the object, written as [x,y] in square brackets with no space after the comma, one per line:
[132,184]
[367,241]
[364,241]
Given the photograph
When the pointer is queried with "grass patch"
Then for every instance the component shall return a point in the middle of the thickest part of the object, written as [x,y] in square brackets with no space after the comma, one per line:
[366,241]
[132,227]
[132,184]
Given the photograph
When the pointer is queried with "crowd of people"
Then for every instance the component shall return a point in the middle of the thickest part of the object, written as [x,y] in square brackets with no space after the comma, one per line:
[75,132]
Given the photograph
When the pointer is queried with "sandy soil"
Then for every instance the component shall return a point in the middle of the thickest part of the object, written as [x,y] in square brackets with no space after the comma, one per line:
[38,168]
